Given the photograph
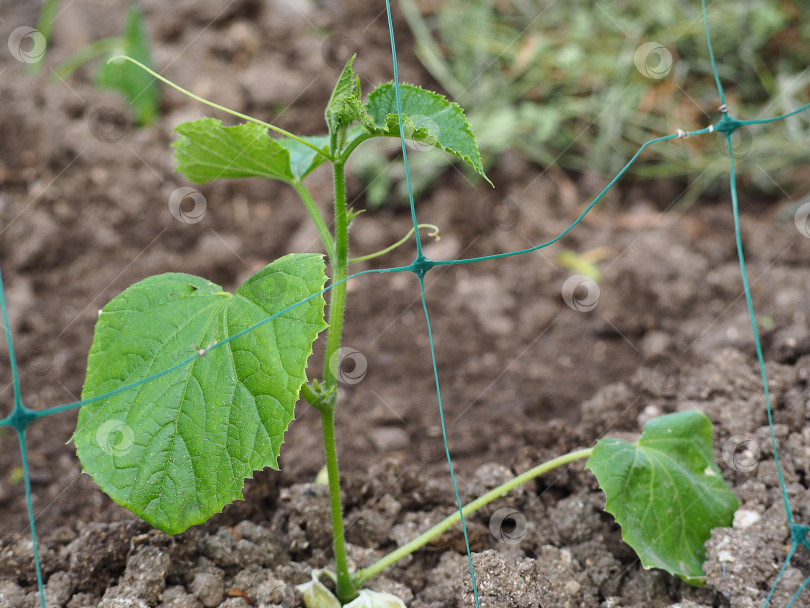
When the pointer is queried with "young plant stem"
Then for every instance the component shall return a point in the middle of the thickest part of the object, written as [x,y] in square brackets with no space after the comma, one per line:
[420,541]
[337,305]
[311,397]
[345,587]
[340,265]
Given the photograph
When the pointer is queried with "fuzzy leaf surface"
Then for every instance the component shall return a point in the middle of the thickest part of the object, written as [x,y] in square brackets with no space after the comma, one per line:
[177,448]
[666,492]
[339,113]
[428,119]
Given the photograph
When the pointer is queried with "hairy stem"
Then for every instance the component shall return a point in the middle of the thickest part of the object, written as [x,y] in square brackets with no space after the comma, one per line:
[420,541]
[311,397]
[345,586]
[339,262]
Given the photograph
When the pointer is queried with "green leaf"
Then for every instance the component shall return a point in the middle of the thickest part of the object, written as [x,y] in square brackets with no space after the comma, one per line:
[428,119]
[206,150]
[339,110]
[303,159]
[137,87]
[666,492]
[177,448]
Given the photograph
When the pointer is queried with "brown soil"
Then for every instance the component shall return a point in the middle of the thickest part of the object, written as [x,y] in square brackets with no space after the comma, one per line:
[524,377]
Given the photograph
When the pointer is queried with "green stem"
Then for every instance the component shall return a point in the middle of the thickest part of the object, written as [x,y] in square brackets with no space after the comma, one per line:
[222,108]
[345,153]
[317,218]
[311,397]
[402,241]
[345,587]
[339,262]
[420,541]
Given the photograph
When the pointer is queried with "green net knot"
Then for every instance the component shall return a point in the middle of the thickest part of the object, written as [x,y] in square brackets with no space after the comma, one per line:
[19,419]
[798,535]
[727,125]
[421,265]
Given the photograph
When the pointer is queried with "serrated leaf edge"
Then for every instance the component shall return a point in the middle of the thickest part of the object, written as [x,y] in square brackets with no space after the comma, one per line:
[475,163]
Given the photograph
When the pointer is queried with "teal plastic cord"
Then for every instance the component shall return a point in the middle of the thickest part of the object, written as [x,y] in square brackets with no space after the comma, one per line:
[19,419]
[420,267]
[459,506]
[711,55]
[31,518]
[581,215]
[750,305]
[795,538]
[401,133]
[798,535]
[15,377]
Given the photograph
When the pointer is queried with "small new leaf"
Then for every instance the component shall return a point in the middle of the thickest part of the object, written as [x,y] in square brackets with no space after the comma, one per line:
[340,112]
[207,150]
[666,492]
[177,448]
[428,119]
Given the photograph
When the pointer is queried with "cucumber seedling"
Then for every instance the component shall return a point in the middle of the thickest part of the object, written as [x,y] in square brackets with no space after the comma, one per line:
[197,425]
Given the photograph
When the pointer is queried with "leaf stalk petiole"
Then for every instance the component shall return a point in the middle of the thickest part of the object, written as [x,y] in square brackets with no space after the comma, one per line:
[420,541]
[177,87]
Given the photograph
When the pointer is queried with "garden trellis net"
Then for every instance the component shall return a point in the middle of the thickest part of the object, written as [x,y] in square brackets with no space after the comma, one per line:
[21,417]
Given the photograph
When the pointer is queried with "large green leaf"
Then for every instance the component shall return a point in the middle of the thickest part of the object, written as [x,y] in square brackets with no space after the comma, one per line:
[135,85]
[428,118]
[177,448]
[207,150]
[666,491]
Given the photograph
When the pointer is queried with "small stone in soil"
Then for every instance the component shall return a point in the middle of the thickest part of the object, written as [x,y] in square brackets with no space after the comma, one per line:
[209,587]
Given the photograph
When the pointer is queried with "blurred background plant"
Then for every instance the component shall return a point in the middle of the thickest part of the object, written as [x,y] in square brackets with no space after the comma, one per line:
[582,84]
[139,89]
